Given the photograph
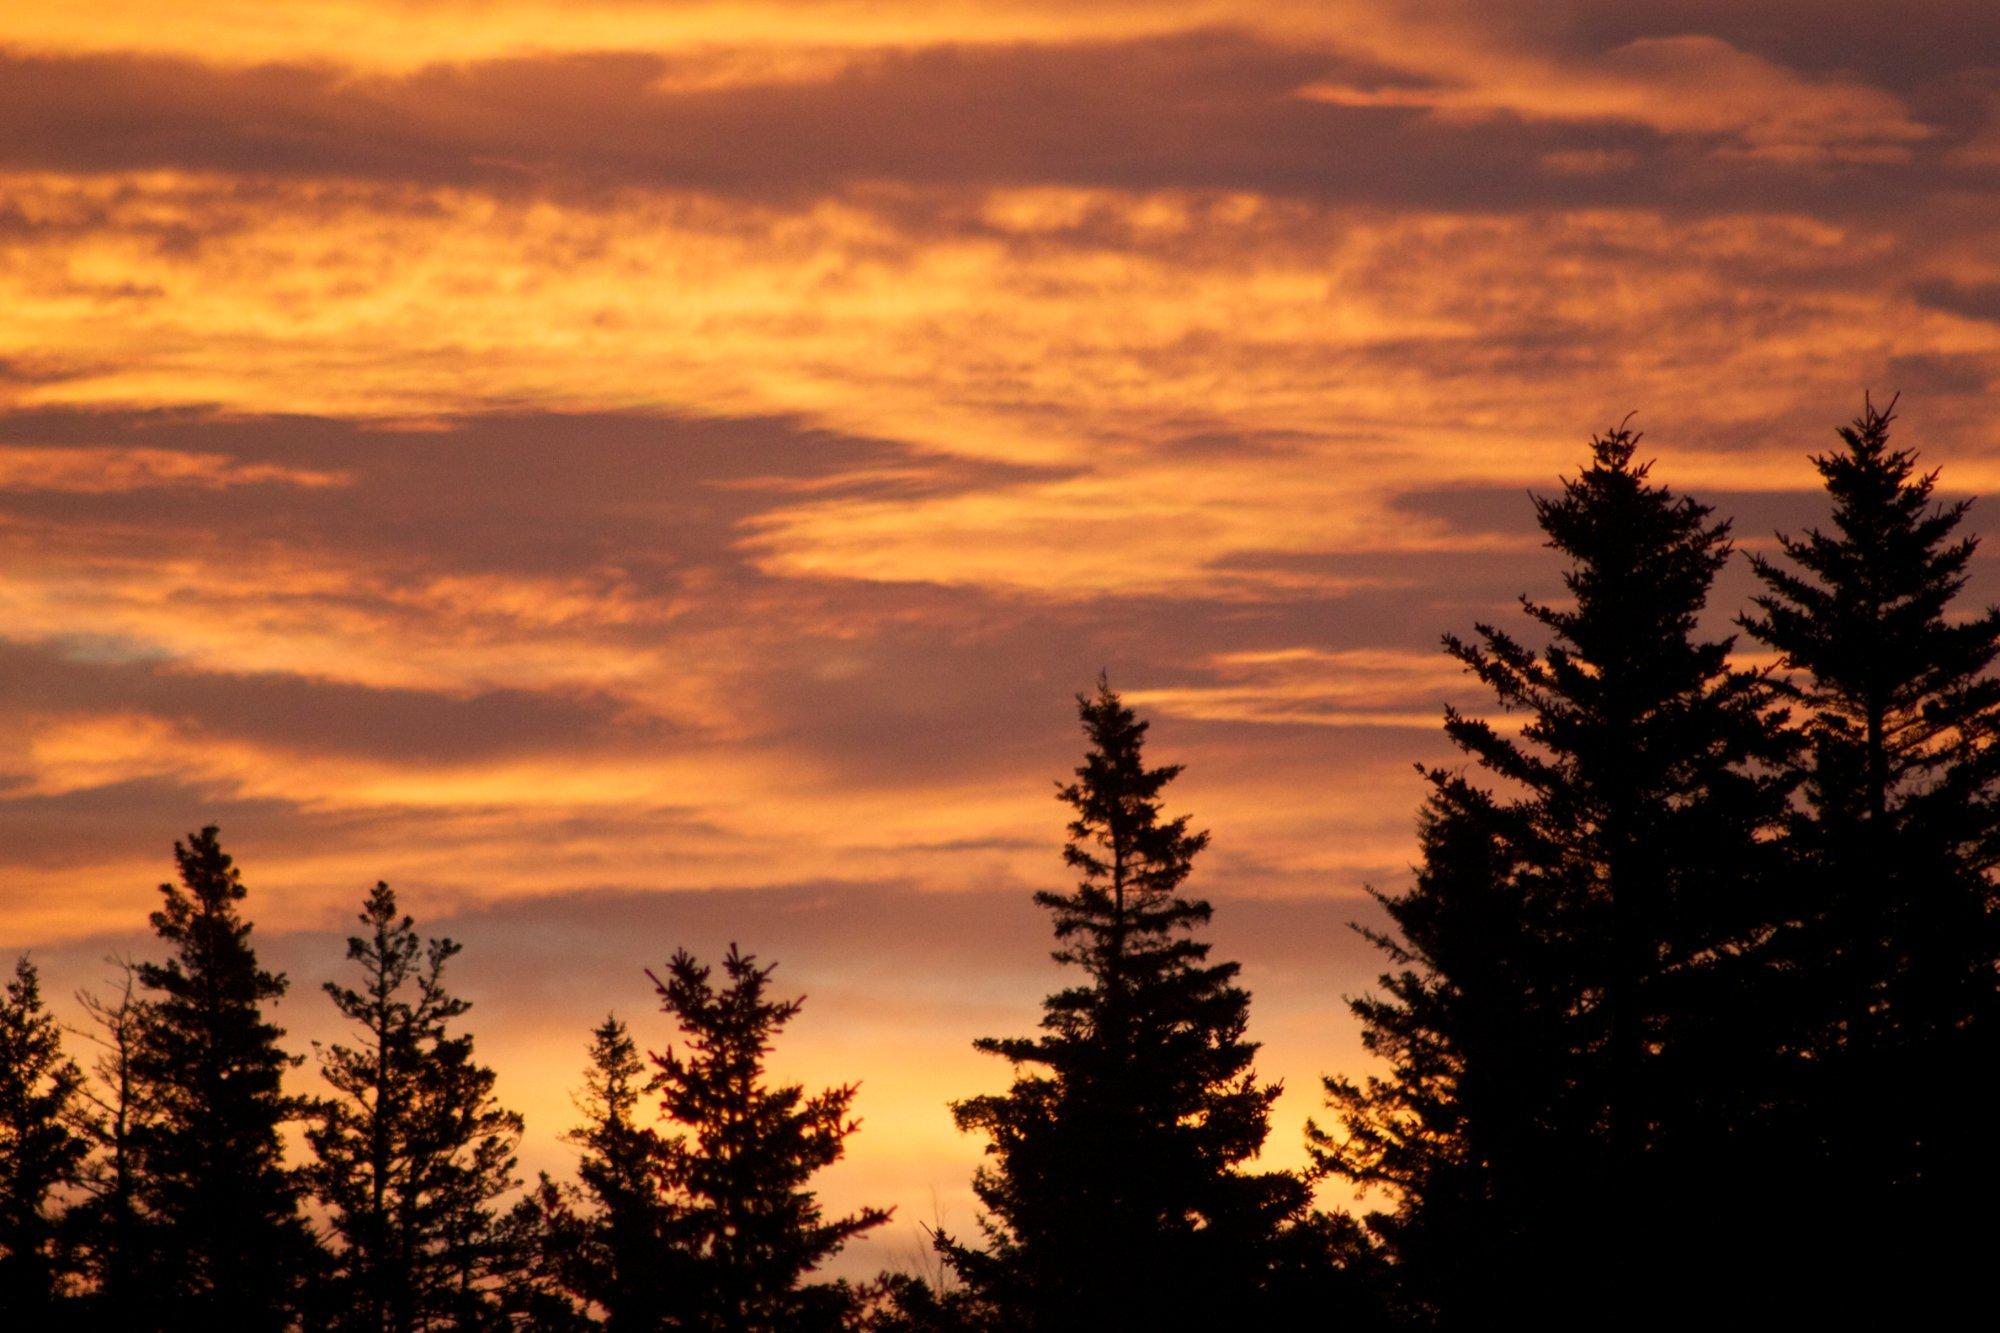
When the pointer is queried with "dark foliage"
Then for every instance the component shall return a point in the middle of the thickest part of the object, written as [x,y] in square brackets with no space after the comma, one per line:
[413,1151]
[614,1243]
[1468,1028]
[114,1116]
[1114,1194]
[229,1247]
[1687,1015]
[748,1230]
[1566,1030]
[41,1154]
[909,1303]
[1886,966]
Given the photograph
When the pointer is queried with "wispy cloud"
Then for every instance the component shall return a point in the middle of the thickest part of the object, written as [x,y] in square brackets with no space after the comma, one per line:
[631,472]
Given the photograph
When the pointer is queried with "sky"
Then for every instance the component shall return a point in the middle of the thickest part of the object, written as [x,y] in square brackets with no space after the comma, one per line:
[635,475]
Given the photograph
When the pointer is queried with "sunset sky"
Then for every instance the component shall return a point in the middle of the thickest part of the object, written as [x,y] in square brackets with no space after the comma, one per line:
[638,474]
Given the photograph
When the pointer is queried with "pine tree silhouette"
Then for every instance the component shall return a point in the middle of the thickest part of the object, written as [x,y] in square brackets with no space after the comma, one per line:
[1631,877]
[413,1151]
[1895,938]
[230,1247]
[41,1154]
[1114,1194]
[1470,1026]
[914,1303]
[613,1242]
[749,1230]
[115,1116]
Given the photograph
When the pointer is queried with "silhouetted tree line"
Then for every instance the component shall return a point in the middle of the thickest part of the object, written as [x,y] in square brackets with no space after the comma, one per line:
[1689,1014]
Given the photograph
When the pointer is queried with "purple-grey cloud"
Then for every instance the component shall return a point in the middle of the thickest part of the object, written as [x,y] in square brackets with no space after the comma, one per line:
[1209,110]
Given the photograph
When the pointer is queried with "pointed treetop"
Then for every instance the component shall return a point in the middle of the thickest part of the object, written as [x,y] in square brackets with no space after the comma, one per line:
[1614,450]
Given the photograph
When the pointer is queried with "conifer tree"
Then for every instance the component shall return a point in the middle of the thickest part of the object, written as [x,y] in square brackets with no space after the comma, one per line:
[470,1139]
[612,1242]
[1469,1027]
[537,1239]
[749,1231]
[413,1151]
[230,1248]
[1895,940]
[916,1303]
[115,1116]
[1114,1193]
[1626,861]
[41,1154]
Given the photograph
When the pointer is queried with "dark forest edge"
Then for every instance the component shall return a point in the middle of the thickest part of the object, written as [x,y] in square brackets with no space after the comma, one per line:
[1687,1014]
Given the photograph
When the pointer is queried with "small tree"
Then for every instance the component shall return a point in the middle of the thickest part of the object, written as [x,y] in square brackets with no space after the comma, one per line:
[41,1153]
[612,1242]
[114,1115]
[915,1303]
[749,1230]
[1114,1194]
[230,1247]
[413,1150]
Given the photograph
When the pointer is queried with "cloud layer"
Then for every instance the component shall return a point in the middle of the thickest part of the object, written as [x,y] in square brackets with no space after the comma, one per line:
[636,473]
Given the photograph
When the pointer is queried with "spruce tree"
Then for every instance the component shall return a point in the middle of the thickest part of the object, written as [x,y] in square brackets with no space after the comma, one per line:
[1114,1194]
[469,1139]
[1894,942]
[1626,861]
[1468,1027]
[749,1231]
[613,1241]
[230,1248]
[412,1152]
[115,1116]
[41,1155]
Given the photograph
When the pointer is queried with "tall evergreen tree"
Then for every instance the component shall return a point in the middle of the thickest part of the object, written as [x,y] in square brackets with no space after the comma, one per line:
[115,1115]
[413,1151]
[230,1246]
[1626,862]
[1469,1026]
[1895,941]
[41,1154]
[613,1241]
[1114,1195]
[749,1230]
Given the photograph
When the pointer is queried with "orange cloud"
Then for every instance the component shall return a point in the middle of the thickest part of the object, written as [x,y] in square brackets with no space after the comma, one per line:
[1684,84]
[108,470]
[645,474]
